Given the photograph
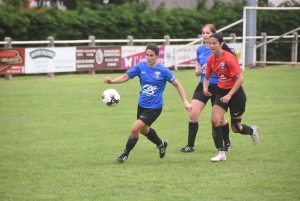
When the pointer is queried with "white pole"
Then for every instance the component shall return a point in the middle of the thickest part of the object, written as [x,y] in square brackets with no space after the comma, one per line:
[244,39]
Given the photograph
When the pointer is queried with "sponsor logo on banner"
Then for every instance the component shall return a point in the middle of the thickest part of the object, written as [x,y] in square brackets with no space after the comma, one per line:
[132,55]
[45,60]
[12,61]
[98,58]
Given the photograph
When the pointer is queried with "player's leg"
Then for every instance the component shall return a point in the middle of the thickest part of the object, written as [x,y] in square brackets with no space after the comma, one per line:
[193,125]
[237,106]
[145,117]
[198,103]
[218,112]
[244,129]
[225,131]
[148,117]
[224,123]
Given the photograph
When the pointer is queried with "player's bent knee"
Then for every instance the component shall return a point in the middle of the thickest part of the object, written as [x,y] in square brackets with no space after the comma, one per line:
[235,127]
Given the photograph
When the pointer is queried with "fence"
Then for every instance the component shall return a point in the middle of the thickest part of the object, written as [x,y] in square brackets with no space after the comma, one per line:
[166,40]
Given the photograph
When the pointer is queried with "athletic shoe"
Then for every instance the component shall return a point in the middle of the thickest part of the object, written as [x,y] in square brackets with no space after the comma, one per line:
[162,148]
[219,157]
[122,158]
[254,136]
[187,149]
[228,147]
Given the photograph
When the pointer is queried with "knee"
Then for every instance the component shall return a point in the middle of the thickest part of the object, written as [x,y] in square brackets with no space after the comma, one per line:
[135,130]
[193,117]
[234,129]
[215,122]
[236,125]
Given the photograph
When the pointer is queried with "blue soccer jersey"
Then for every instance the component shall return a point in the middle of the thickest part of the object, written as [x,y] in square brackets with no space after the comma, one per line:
[153,83]
[203,54]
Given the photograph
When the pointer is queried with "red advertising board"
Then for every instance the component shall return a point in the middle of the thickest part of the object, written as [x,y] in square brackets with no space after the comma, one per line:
[98,58]
[12,60]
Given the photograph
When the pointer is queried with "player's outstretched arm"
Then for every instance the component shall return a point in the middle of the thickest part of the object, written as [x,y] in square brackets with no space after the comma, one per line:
[118,80]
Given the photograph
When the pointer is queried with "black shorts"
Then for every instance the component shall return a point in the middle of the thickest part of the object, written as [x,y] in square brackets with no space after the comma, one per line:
[148,115]
[237,103]
[199,95]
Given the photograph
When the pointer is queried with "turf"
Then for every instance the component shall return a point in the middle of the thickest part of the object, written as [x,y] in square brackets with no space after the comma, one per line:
[58,141]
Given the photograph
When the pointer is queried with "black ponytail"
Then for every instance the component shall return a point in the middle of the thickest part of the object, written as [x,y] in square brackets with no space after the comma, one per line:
[225,47]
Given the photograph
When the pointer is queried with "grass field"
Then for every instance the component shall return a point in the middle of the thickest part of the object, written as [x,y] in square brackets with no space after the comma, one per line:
[58,141]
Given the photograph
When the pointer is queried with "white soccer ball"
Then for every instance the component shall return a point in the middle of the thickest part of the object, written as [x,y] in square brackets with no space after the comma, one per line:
[110,97]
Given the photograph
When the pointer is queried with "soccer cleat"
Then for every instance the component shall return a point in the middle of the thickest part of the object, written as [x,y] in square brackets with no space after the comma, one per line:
[219,157]
[254,136]
[162,148]
[122,158]
[228,147]
[187,149]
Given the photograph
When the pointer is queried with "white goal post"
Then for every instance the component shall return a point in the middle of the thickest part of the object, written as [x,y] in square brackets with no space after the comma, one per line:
[251,37]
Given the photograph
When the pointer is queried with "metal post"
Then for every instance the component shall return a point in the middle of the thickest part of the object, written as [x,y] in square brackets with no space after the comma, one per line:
[50,44]
[167,37]
[8,42]
[92,44]
[130,43]
[251,31]
[263,50]
[233,38]
[294,48]
[8,45]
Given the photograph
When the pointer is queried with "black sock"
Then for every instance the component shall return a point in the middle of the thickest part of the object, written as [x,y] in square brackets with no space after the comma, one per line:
[193,129]
[131,142]
[153,137]
[225,131]
[218,138]
[247,130]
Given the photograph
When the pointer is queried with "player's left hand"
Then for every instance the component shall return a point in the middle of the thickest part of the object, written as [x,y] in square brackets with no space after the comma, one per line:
[188,106]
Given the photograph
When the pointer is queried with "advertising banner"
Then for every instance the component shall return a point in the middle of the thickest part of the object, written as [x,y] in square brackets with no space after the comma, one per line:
[237,48]
[98,58]
[188,54]
[12,60]
[131,55]
[50,60]
[184,56]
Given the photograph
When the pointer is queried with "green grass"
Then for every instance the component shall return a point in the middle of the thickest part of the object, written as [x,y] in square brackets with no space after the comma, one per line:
[58,141]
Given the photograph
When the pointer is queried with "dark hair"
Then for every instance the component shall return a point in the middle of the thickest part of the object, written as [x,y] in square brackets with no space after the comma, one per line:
[153,47]
[220,39]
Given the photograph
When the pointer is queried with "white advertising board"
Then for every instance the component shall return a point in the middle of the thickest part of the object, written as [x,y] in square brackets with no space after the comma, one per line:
[50,60]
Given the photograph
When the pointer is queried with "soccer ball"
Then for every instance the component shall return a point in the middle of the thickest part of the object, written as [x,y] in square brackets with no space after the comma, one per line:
[110,97]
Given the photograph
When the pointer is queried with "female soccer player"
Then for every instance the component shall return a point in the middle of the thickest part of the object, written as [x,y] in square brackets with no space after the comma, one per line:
[199,99]
[230,93]
[153,78]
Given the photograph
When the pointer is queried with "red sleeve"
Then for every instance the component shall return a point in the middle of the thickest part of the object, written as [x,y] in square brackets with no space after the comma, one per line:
[233,65]
[208,67]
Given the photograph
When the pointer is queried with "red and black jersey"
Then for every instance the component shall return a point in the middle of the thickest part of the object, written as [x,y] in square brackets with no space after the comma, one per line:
[226,67]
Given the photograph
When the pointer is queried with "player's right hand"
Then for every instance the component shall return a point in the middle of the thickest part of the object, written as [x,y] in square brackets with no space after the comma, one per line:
[206,92]
[107,80]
